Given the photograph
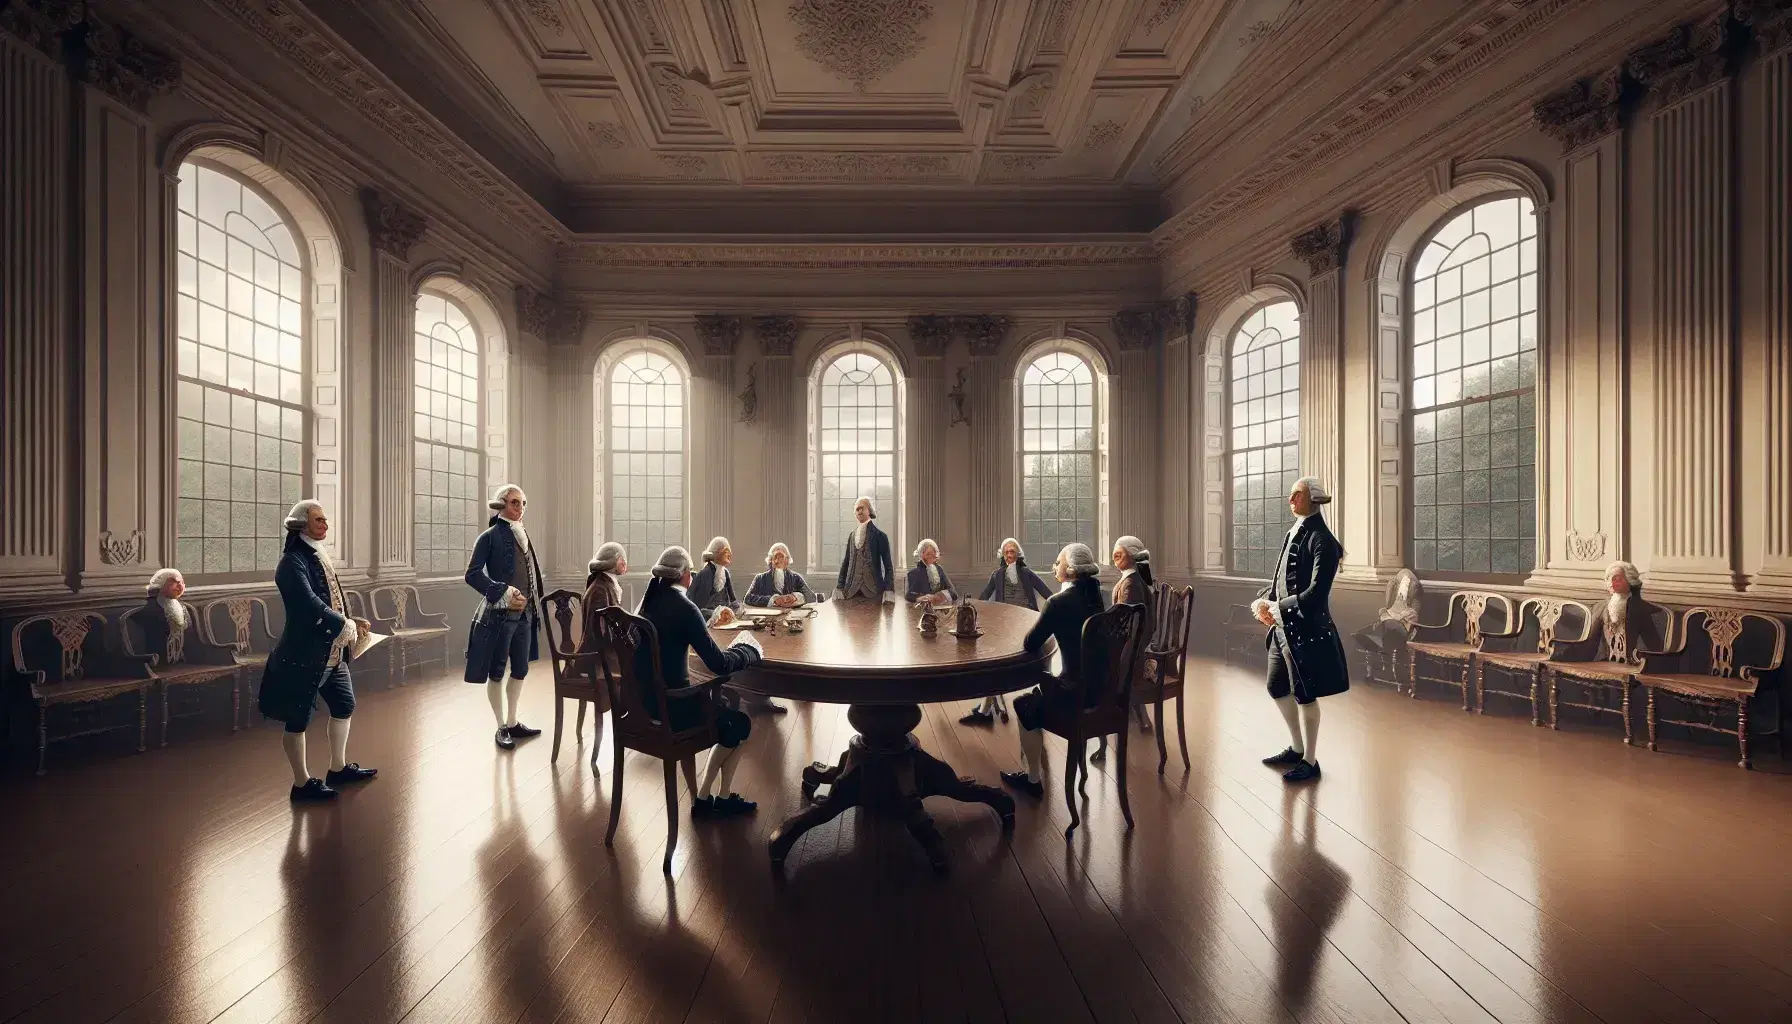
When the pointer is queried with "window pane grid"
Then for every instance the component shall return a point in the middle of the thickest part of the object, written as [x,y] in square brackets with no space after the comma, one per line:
[1264,435]
[239,423]
[857,445]
[1058,452]
[647,509]
[446,514]
[1473,409]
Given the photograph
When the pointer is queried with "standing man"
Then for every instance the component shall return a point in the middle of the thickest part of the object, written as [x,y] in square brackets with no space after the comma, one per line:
[866,568]
[1306,654]
[507,621]
[311,658]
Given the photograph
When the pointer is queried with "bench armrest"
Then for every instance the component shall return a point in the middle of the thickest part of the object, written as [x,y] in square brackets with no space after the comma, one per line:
[1585,649]
[201,651]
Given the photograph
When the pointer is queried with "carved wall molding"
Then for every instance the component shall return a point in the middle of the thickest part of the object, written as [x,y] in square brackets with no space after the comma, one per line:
[1323,247]
[777,334]
[860,40]
[1688,59]
[1769,20]
[749,396]
[931,334]
[985,333]
[1584,111]
[719,333]
[848,255]
[956,396]
[1586,547]
[392,227]
[115,550]
[1134,329]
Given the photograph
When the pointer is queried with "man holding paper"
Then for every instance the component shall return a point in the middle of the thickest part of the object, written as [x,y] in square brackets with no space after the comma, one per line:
[507,620]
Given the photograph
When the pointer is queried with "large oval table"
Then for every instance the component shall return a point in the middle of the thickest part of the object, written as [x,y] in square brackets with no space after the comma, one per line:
[873,658]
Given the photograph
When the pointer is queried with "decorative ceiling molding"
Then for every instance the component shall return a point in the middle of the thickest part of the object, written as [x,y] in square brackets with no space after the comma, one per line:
[547,13]
[1103,134]
[1584,111]
[844,255]
[858,166]
[860,40]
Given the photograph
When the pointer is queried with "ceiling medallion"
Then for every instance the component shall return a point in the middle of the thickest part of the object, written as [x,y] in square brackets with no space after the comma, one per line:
[607,134]
[860,40]
[1103,134]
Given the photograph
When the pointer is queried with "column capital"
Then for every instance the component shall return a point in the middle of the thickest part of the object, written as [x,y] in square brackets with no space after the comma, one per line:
[1584,111]
[1323,247]
[931,333]
[1176,317]
[392,226]
[539,314]
[1134,329]
[777,334]
[985,332]
[1686,60]
[1769,20]
[40,24]
[113,60]
[719,333]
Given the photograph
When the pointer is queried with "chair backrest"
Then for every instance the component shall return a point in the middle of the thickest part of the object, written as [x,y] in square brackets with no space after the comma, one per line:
[1541,620]
[242,621]
[401,597]
[1175,608]
[1482,611]
[1727,642]
[1110,656]
[1616,646]
[622,639]
[357,605]
[168,647]
[65,660]
[563,622]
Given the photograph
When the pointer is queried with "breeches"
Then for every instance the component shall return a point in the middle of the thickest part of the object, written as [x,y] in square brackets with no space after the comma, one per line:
[1281,679]
[338,693]
[1030,707]
[510,640]
[732,727]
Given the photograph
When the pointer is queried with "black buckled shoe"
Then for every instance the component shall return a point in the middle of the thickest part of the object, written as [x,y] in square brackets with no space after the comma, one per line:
[733,806]
[348,773]
[520,731]
[1306,771]
[313,791]
[978,716]
[503,738]
[1019,780]
[703,807]
[1287,756]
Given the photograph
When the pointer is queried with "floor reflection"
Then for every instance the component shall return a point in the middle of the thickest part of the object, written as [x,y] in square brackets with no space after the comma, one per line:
[1316,885]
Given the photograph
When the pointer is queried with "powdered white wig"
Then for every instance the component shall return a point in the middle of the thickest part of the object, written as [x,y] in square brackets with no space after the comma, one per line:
[501,495]
[160,580]
[713,553]
[870,507]
[1079,560]
[609,554]
[1134,547]
[300,516]
[1315,489]
[774,549]
[673,564]
[923,546]
[1627,570]
[1020,553]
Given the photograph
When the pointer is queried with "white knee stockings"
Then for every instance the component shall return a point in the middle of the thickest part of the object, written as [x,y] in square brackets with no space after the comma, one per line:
[718,775]
[1032,753]
[1291,715]
[502,710]
[1309,720]
[294,744]
[338,743]
[1301,718]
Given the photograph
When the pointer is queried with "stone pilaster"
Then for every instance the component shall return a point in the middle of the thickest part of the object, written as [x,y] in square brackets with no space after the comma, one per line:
[1772,25]
[1324,249]
[929,415]
[1137,423]
[1694,344]
[713,415]
[393,230]
[1174,549]
[990,408]
[781,420]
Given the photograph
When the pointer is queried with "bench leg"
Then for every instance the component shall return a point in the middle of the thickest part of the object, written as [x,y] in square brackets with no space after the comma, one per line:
[43,736]
[1463,677]
[1649,714]
[1536,683]
[236,701]
[1624,703]
[1742,732]
[1480,674]
[1555,712]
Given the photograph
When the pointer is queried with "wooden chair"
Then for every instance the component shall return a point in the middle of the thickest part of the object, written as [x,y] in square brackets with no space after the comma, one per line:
[576,672]
[1110,661]
[76,669]
[1602,664]
[410,626]
[1472,614]
[1383,642]
[1526,650]
[645,726]
[1165,666]
[1715,667]
[186,658]
[1244,637]
[241,611]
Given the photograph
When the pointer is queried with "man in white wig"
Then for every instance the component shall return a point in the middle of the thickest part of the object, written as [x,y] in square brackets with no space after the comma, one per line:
[1306,654]
[507,619]
[866,569]
[779,586]
[310,660]
[712,591]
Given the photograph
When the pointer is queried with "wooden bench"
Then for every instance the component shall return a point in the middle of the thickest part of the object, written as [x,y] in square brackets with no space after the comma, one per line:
[1244,637]
[1471,615]
[411,627]
[241,612]
[184,658]
[1603,664]
[1715,664]
[65,660]
[1525,651]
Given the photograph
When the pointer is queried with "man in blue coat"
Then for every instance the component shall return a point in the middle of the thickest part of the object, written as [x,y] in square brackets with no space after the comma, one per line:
[310,660]
[866,568]
[507,620]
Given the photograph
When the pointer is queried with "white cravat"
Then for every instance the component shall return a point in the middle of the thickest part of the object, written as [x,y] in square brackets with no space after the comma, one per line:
[1013,571]
[777,581]
[1615,606]
[933,574]
[721,578]
[521,535]
[176,613]
[858,535]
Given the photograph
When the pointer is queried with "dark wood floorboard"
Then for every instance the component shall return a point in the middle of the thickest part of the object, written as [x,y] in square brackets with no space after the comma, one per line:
[1450,868]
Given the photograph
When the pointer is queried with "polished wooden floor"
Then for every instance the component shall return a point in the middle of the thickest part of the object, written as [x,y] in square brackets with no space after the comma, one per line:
[1448,868]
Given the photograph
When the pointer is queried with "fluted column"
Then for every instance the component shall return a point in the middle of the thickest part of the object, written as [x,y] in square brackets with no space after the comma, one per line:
[713,414]
[1584,517]
[779,507]
[393,230]
[1176,322]
[929,416]
[34,360]
[1694,401]
[1137,451]
[1324,250]
[991,414]
[1772,25]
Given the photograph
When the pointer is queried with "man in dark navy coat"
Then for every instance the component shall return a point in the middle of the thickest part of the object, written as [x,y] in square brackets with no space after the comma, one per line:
[1306,654]
[866,569]
[507,619]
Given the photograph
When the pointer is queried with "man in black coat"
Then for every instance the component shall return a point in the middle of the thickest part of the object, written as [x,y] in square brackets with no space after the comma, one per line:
[310,660]
[1306,654]
[507,620]
[1062,620]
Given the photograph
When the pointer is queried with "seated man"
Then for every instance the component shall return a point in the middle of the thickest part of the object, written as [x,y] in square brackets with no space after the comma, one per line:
[682,630]
[866,568]
[165,632]
[1382,640]
[712,588]
[1012,583]
[779,586]
[928,580]
[1062,620]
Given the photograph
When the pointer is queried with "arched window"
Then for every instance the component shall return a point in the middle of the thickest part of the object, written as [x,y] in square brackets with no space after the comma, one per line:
[645,443]
[241,375]
[856,447]
[1473,413]
[1059,452]
[446,418]
[1263,377]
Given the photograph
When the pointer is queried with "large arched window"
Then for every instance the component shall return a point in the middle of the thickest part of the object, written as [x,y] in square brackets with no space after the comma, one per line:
[644,442]
[855,446]
[241,374]
[1473,384]
[446,419]
[1263,377]
[1060,449]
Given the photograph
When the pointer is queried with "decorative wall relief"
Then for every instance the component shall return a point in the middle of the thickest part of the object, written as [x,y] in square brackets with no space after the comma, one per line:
[1057,21]
[1163,12]
[121,550]
[671,85]
[540,315]
[1102,134]
[1586,111]
[860,40]
[121,65]
[687,165]
[749,396]
[546,13]
[1586,548]
[1770,20]
[1023,163]
[607,134]
[1259,31]
[776,333]
[1038,89]
[1176,318]
[957,397]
